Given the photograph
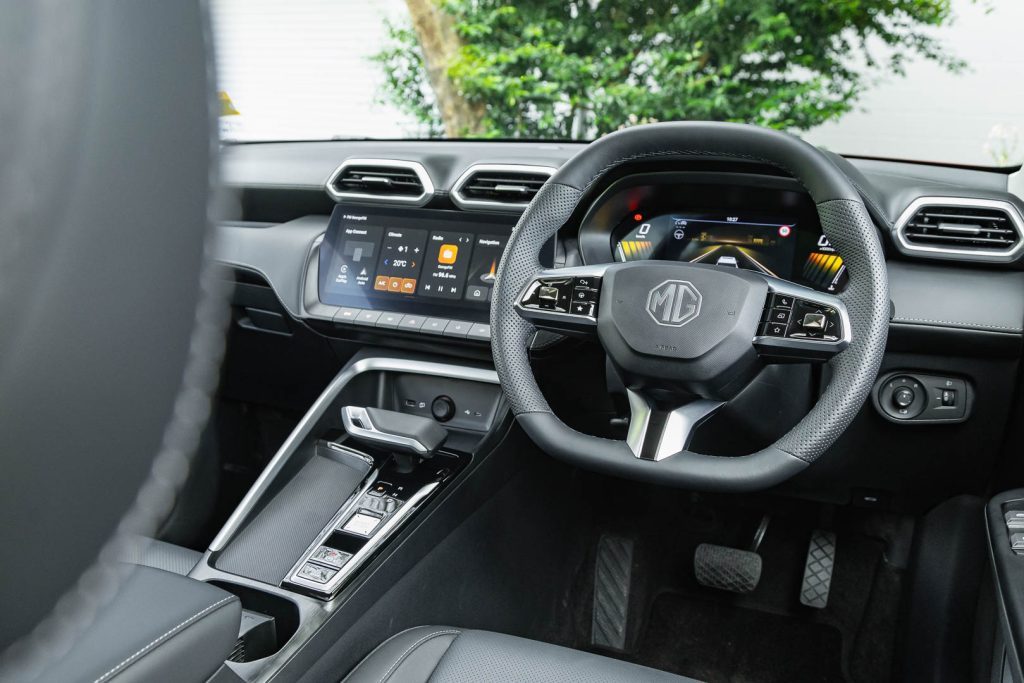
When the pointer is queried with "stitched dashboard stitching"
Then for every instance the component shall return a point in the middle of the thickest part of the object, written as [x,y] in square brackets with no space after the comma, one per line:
[398,662]
[958,323]
[166,635]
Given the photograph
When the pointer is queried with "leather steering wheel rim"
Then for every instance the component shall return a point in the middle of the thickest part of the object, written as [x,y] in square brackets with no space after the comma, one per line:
[844,220]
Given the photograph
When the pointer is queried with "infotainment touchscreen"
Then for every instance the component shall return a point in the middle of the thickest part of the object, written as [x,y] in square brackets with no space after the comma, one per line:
[412,260]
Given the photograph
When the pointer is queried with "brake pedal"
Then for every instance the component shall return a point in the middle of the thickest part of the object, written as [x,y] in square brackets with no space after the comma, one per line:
[821,559]
[613,575]
[730,569]
[727,569]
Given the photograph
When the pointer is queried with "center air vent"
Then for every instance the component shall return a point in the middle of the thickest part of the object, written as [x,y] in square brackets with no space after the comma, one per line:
[381,181]
[499,187]
[961,229]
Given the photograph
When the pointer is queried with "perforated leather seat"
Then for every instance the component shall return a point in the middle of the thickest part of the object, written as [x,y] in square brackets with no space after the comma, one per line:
[450,655]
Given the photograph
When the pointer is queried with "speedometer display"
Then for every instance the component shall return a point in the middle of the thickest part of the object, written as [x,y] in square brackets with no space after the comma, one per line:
[761,242]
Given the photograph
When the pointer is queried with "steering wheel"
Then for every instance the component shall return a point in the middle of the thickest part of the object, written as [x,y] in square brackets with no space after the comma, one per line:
[685,338]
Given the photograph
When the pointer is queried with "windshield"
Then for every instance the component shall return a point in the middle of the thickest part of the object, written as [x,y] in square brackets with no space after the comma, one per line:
[928,80]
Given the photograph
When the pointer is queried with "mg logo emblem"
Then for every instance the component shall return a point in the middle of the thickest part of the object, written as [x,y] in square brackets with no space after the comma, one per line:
[673,303]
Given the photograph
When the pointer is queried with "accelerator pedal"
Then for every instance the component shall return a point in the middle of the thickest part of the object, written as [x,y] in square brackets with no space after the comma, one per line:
[613,575]
[730,569]
[821,559]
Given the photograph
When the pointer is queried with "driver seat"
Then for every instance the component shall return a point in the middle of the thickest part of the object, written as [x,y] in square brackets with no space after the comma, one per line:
[450,655]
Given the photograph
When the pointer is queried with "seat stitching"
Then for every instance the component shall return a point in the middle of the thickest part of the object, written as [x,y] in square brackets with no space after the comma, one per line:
[141,651]
[398,662]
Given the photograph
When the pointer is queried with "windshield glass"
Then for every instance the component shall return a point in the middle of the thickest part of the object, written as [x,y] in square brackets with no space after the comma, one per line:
[928,80]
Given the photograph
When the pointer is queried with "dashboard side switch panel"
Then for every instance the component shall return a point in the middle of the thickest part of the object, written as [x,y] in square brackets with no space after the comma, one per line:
[906,396]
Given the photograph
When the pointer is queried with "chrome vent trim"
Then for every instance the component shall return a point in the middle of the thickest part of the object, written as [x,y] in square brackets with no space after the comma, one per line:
[953,233]
[463,202]
[400,165]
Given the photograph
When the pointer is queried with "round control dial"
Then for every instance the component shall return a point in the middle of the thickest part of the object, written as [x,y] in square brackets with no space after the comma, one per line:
[442,408]
[903,397]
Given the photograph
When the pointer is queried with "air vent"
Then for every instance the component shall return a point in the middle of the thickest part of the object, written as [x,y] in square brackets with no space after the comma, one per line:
[961,229]
[387,181]
[499,187]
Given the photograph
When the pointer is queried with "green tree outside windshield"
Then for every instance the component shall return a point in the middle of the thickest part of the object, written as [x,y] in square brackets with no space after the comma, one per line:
[557,69]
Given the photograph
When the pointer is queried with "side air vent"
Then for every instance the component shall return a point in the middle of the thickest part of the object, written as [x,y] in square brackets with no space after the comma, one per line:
[388,181]
[499,187]
[961,229]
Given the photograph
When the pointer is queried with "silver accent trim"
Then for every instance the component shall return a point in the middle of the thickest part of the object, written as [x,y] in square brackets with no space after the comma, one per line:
[319,407]
[465,204]
[960,254]
[351,415]
[378,536]
[680,425]
[414,166]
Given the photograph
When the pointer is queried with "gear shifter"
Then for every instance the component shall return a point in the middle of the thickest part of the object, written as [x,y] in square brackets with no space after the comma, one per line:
[410,438]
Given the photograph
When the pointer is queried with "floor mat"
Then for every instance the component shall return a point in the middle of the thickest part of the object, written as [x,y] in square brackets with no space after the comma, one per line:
[713,641]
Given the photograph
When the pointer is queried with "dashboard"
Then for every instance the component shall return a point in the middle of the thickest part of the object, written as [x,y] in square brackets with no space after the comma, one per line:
[773,230]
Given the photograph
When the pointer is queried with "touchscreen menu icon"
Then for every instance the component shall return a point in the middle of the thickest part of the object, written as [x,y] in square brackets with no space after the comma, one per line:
[484,268]
[447,258]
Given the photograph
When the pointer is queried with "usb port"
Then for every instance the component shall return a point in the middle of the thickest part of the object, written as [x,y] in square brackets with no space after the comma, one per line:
[409,403]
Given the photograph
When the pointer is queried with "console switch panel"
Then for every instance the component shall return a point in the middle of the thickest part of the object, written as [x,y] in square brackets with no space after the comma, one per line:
[908,396]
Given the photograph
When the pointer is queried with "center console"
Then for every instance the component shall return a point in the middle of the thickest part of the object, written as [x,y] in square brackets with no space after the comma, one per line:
[381,445]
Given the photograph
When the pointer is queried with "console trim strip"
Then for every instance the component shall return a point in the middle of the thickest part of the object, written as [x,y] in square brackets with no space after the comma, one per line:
[319,407]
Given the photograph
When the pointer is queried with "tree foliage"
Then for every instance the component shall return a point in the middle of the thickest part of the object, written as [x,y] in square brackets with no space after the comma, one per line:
[580,68]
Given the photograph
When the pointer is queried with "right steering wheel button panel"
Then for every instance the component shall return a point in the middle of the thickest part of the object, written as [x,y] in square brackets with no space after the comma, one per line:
[787,316]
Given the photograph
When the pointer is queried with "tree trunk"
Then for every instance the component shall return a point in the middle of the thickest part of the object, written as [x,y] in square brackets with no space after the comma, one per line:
[440,44]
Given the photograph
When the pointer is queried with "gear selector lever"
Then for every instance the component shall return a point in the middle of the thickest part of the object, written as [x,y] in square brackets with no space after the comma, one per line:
[409,437]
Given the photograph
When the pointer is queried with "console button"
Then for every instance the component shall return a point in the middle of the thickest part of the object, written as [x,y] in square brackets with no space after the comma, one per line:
[316,573]
[361,523]
[330,556]
[1017,542]
[368,318]
[480,331]
[903,397]
[435,325]
[387,319]
[949,397]
[347,315]
[412,322]
[477,293]
[1015,519]
[457,328]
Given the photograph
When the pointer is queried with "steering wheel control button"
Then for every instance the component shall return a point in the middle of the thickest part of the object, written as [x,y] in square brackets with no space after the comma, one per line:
[773,330]
[316,573]
[917,397]
[779,316]
[586,308]
[442,408]
[782,301]
[814,321]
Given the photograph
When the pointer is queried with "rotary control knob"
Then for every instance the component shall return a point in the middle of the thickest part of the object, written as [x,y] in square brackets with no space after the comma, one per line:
[442,408]
[903,397]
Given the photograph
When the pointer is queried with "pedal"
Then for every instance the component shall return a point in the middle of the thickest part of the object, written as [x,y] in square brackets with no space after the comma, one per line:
[727,569]
[821,559]
[613,575]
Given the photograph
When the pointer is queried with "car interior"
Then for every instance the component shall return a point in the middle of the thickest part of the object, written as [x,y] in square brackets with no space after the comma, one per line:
[692,401]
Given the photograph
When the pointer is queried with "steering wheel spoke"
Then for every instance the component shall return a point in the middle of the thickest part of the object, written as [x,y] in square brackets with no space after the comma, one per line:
[564,300]
[801,324]
[655,434]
